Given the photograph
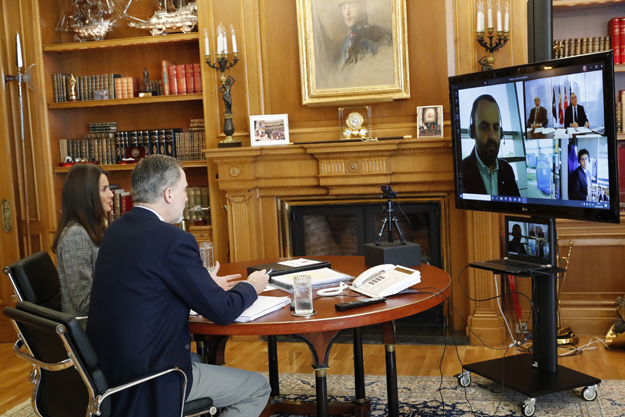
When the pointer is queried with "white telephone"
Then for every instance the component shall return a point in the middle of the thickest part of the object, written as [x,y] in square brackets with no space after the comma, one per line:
[386,279]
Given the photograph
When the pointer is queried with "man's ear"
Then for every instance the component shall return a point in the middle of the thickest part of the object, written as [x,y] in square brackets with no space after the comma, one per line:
[168,195]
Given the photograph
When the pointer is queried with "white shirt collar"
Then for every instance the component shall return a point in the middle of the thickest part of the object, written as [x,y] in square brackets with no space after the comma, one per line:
[153,211]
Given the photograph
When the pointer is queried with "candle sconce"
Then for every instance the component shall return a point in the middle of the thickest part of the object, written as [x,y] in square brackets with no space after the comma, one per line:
[502,38]
[221,64]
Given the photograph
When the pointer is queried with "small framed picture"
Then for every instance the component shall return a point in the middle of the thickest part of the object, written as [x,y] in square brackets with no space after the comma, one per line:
[269,129]
[430,121]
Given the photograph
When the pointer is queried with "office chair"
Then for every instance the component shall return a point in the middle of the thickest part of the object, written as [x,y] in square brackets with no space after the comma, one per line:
[66,378]
[36,279]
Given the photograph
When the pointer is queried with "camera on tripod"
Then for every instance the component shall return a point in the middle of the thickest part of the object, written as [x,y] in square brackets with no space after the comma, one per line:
[387,191]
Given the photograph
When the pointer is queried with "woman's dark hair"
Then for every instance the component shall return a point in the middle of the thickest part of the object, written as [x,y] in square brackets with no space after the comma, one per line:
[81,202]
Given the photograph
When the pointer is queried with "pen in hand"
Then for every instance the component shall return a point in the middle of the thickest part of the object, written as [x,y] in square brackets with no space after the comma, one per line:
[269,272]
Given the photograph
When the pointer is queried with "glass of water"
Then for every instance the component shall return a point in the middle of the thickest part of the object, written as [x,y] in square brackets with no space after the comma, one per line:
[208,255]
[302,292]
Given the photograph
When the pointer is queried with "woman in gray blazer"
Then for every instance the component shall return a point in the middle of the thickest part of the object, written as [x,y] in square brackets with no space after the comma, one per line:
[86,203]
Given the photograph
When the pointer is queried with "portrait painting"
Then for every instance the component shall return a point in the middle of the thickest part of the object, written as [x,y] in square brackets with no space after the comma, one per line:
[353,51]
[269,129]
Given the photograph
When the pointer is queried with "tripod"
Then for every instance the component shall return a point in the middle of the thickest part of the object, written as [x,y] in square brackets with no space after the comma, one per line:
[389,220]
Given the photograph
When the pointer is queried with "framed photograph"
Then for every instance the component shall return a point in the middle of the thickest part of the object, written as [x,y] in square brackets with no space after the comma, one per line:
[269,129]
[429,121]
[353,51]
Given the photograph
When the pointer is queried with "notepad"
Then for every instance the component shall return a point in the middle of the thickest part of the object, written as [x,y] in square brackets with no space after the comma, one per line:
[262,306]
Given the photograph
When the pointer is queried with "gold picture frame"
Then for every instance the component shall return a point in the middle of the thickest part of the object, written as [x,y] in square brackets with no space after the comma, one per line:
[348,56]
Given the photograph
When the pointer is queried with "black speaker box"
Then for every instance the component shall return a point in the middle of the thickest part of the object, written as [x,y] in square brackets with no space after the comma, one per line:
[393,253]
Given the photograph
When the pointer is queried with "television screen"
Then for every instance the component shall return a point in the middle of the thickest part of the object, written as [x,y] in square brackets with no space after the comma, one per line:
[538,139]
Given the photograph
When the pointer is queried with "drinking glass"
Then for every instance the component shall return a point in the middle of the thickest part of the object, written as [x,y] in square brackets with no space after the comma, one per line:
[302,292]
[207,254]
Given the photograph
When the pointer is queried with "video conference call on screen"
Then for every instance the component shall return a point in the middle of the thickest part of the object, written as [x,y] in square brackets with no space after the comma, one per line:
[539,136]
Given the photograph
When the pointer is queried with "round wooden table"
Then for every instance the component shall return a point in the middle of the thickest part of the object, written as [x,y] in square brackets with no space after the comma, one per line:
[319,331]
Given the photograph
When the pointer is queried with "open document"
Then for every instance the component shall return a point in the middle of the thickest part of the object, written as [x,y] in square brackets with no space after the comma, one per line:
[262,306]
[321,277]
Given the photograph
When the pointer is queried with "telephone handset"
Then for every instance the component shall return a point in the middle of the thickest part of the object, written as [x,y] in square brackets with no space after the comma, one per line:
[384,280]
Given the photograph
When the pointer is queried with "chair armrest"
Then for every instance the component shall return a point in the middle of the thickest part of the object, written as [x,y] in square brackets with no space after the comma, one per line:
[58,366]
[95,408]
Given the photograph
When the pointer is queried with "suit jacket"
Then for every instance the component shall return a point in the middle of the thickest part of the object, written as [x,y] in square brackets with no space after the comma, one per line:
[540,118]
[578,185]
[147,276]
[472,182]
[581,116]
[76,255]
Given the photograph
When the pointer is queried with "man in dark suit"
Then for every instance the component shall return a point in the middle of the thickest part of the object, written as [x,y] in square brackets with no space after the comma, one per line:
[482,171]
[538,115]
[574,115]
[147,276]
[580,178]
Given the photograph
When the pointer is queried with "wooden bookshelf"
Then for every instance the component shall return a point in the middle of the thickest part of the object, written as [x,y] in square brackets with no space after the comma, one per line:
[125,101]
[588,3]
[123,43]
[130,167]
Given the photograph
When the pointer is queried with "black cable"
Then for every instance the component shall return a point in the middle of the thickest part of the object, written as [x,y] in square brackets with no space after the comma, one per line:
[414,238]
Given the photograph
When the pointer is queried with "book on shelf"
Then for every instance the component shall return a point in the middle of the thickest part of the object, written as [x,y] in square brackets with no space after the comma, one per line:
[126,202]
[322,277]
[614,29]
[165,75]
[181,79]
[161,142]
[197,78]
[172,79]
[153,142]
[189,78]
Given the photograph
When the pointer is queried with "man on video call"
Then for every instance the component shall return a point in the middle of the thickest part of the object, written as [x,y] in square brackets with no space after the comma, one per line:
[482,171]
[538,115]
[515,245]
[580,178]
[574,115]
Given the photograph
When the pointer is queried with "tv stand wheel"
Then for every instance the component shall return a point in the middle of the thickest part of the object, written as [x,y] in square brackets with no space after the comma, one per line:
[590,393]
[464,379]
[528,408]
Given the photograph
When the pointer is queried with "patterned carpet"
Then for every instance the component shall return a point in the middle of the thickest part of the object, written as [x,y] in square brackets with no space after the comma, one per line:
[418,396]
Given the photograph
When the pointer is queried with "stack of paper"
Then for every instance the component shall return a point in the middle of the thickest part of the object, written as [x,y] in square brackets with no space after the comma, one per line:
[263,305]
[321,277]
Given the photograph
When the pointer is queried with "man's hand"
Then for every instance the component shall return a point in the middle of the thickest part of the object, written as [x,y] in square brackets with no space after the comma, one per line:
[587,124]
[223,282]
[259,279]
[574,124]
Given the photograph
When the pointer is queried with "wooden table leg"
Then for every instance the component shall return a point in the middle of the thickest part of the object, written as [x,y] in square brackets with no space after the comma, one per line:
[388,336]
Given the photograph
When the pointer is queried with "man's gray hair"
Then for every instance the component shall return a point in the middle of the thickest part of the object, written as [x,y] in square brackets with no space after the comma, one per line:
[152,176]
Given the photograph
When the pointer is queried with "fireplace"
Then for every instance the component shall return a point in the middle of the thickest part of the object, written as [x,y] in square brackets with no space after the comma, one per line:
[343,226]
[344,229]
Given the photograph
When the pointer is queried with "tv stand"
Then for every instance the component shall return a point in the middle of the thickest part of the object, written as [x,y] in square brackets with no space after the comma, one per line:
[539,373]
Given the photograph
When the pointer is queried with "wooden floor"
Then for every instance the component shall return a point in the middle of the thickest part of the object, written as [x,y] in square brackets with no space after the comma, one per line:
[423,360]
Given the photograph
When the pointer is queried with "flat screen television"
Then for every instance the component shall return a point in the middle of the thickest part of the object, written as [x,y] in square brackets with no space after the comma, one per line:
[538,139]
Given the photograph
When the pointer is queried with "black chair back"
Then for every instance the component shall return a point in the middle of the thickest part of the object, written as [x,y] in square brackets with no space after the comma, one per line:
[36,279]
[67,379]
[53,337]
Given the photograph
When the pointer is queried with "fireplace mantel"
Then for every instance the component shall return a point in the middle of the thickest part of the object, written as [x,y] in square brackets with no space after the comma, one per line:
[247,185]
